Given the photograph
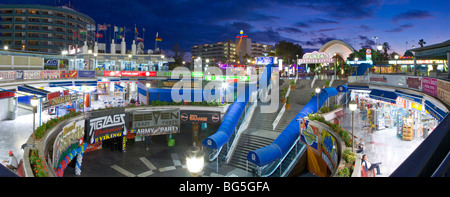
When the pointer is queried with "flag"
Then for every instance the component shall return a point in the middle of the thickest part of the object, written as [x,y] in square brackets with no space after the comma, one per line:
[76,34]
[118,36]
[116,29]
[135,29]
[102,27]
[98,35]
[121,29]
[140,39]
[158,39]
[83,32]
[91,27]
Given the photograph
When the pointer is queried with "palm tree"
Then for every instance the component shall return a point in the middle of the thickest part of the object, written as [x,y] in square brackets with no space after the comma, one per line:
[421,42]
[386,48]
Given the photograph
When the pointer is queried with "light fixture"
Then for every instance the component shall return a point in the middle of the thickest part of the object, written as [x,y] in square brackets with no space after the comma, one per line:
[129,55]
[379,47]
[90,51]
[195,160]
[148,85]
[64,52]
[352,106]
[317,90]
[34,101]
[5,47]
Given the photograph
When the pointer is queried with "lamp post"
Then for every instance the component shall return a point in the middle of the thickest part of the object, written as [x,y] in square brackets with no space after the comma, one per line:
[356,63]
[34,102]
[5,47]
[195,160]
[89,65]
[317,95]
[352,106]
[148,86]
[379,47]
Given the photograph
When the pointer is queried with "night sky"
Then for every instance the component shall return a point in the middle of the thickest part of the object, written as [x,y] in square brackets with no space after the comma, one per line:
[310,23]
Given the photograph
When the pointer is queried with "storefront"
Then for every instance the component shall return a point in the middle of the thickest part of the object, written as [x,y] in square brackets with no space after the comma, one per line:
[423,66]
[398,111]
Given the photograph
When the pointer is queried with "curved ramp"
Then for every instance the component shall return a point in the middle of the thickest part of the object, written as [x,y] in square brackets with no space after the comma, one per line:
[284,141]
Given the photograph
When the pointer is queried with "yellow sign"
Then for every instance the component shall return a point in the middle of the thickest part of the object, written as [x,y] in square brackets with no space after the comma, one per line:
[416,106]
[59,100]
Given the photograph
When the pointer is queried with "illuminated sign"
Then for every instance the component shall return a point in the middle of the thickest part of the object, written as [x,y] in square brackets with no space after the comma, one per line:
[130,73]
[157,122]
[224,78]
[264,60]
[241,35]
[417,61]
[315,57]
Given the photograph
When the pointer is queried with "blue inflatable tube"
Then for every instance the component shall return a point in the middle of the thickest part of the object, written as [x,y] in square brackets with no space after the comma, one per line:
[231,119]
[284,141]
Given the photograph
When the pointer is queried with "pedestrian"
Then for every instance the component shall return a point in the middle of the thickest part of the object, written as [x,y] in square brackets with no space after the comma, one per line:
[12,164]
[370,166]
[360,146]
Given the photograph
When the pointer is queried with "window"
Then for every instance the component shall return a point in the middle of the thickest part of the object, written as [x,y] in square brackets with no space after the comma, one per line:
[33,12]
[20,11]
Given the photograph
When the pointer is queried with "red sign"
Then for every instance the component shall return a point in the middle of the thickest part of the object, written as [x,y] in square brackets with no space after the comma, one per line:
[53,95]
[6,94]
[68,74]
[65,92]
[129,73]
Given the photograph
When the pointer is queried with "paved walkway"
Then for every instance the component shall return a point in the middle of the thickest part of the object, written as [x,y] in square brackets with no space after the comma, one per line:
[381,145]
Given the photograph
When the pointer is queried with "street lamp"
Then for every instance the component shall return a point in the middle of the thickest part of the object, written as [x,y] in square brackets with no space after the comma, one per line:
[6,47]
[352,106]
[317,95]
[195,160]
[148,86]
[356,63]
[34,101]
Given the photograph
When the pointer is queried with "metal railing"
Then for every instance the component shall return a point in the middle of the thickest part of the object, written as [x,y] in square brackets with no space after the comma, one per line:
[269,169]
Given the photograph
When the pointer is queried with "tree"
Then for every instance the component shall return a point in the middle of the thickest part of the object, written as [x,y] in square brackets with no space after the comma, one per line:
[288,51]
[421,42]
[178,56]
[386,48]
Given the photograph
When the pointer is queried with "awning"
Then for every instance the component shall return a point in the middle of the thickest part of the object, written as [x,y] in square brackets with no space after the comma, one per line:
[356,87]
[382,95]
[118,87]
[33,90]
[435,111]
[342,88]
[408,96]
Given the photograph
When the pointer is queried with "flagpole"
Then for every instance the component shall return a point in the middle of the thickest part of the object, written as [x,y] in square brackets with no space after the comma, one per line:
[156,42]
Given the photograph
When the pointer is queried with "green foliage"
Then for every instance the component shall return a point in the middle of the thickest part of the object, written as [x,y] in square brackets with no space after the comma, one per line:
[292,82]
[288,51]
[325,109]
[37,164]
[287,100]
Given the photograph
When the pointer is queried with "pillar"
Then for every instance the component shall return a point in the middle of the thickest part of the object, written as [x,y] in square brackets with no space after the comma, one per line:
[123,47]
[448,67]
[133,48]
[113,47]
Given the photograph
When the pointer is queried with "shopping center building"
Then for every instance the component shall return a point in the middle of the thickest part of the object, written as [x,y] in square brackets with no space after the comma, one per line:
[40,28]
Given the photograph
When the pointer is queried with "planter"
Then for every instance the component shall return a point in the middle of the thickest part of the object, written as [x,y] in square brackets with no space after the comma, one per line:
[186,103]
[288,106]
[283,100]
[292,87]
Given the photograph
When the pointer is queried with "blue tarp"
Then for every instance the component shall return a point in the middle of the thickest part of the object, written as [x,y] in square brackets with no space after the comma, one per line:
[284,141]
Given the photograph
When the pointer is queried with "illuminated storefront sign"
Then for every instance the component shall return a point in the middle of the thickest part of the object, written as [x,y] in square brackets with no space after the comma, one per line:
[224,78]
[106,124]
[130,73]
[315,57]
[417,61]
[156,122]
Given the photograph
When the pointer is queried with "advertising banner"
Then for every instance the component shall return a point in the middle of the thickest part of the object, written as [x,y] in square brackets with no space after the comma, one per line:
[414,83]
[86,73]
[32,74]
[7,75]
[429,86]
[6,94]
[200,117]
[443,91]
[69,74]
[53,95]
[19,74]
[71,133]
[156,122]
[310,137]
[329,147]
[130,73]
[50,74]
[106,124]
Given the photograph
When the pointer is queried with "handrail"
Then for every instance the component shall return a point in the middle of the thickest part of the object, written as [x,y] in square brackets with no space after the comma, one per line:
[269,169]
[443,168]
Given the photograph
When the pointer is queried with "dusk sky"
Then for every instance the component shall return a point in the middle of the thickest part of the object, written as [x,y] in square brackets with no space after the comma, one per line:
[310,23]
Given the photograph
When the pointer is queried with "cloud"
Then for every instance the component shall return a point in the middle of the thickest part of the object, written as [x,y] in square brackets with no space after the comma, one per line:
[301,24]
[365,28]
[329,29]
[412,14]
[290,30]
[366,42]
[321,21]
[400,28]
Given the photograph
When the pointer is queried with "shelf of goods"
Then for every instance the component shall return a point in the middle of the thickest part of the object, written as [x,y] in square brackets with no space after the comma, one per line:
[408,131]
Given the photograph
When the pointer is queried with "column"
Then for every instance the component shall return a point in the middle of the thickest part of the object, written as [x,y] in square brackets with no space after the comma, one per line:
[448,67]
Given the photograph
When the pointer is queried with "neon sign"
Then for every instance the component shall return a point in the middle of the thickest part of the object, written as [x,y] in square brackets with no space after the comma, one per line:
[241,34]
[315,57]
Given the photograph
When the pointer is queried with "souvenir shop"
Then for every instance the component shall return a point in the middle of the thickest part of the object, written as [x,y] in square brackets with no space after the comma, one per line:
[399,112]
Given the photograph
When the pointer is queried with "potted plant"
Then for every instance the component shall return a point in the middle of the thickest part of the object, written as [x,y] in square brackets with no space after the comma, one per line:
[288,105]
[283,96]
[292,84]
